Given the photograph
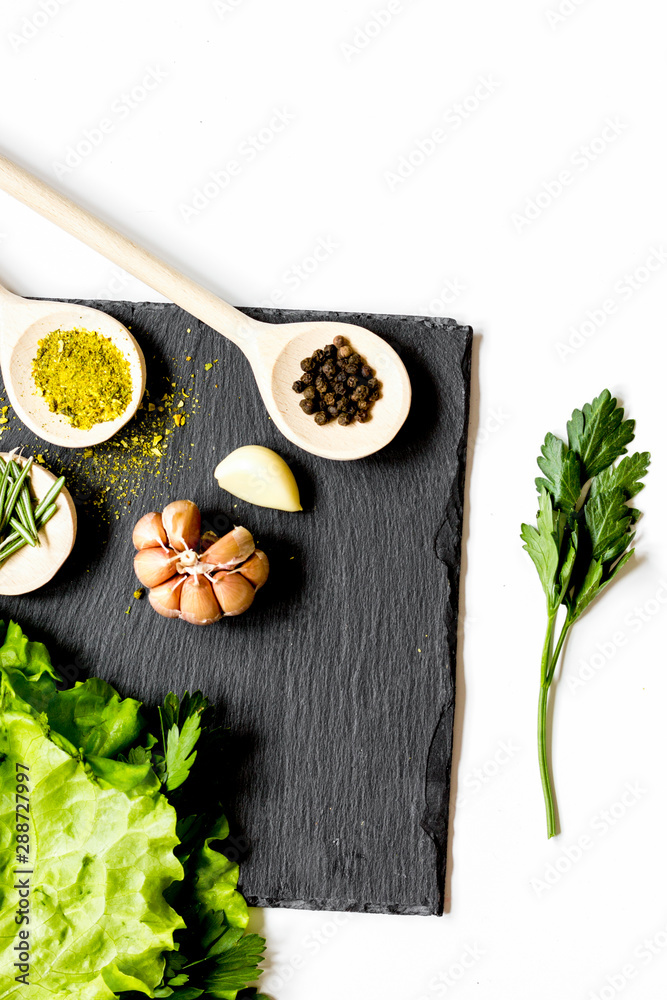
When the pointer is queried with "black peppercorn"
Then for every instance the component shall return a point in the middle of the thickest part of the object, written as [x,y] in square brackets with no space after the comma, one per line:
[337,383]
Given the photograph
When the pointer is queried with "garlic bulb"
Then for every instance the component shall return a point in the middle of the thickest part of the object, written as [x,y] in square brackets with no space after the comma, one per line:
[198,579]
[260,476]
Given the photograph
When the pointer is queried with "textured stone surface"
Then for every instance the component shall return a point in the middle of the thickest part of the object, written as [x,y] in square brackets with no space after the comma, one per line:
[338,685]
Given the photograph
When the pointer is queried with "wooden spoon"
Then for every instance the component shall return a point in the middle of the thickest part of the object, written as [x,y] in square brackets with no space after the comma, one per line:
[23,323]
[273,350]
[30,568]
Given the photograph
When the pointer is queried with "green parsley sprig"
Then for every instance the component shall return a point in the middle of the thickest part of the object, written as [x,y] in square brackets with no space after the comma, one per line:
[584,529]
[216,956]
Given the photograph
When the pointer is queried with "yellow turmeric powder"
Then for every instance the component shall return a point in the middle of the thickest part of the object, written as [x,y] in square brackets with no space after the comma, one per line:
[83,376]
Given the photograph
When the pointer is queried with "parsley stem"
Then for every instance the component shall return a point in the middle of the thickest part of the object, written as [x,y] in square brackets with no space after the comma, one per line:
[544,765]
[549,663]
[567,624]
[545,681]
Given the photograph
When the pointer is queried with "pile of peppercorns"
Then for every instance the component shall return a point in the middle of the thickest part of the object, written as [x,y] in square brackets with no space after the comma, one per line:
[337,384]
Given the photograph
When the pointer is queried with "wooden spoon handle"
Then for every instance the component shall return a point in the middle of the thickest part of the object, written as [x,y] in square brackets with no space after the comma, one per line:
[126,254]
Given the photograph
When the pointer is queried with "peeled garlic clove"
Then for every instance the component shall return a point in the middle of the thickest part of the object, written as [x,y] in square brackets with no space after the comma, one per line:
[166,598]
[260,476]
[235,594]
[182,522]
[149,532]
[256,569]
[154,566]
[198,603]
[230,550]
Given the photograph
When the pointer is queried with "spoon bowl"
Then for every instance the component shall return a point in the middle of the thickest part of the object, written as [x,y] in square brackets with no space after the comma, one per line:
[274,351]
[23,323]
[283,348]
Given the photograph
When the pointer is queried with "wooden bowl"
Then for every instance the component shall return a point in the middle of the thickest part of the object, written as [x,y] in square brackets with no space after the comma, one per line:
[30,568]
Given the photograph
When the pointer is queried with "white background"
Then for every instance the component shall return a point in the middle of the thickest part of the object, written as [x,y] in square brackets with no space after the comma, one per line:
[520,94]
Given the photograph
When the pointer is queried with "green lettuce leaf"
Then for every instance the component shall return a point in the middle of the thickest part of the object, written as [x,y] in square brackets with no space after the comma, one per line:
[101,861]
[93,717]
[100,853]
[217,878]
[27,677]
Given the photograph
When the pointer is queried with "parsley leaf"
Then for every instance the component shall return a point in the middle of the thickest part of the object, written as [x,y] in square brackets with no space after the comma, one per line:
[181,754]
[608,520]
[598,433]
[234,956]
[541,544]
[180,739]
[625,476]
[562,470]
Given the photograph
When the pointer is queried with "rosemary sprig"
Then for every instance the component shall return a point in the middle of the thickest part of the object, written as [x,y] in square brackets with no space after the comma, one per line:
[23,504]
[14,490]
[17,510]
[14,542]
[26,535]
[4,481]
[28,518]
[49,497]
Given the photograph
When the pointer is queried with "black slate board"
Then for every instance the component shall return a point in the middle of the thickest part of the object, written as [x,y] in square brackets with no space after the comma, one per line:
[338,685]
